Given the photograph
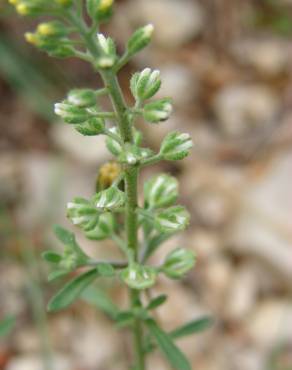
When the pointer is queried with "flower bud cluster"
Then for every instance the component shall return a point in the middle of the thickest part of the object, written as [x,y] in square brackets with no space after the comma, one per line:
[37,7]
[178,262]
[140,39]
[157,111]
[145,84]
[176,146]
[99,10]
[52,38]
[80,109]
[108,55]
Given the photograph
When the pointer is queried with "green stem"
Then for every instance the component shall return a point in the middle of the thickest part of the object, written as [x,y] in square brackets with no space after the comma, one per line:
[124,121]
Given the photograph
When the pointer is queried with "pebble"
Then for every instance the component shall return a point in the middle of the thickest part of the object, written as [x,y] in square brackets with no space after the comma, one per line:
[268,57]
[179,83]
[175,22]
[31,362]
[271,323]
[263,225]
[243,109]
[84,149]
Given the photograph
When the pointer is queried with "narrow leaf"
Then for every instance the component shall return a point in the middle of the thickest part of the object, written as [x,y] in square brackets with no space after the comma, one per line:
[51,256]
[156,302]
[71,291]
[173,354]
[101,300]
[192,327]
[65,236]
[6,325]
[56,274]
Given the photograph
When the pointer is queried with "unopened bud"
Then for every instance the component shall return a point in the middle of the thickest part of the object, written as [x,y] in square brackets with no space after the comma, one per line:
[157,111]
[140,39]
[160,191]
[178,263]
[82,213]
[172,219]
[82,98]
[70,113]
[145,84]
[176,146]
[109,199]
[91,127]
[139,277]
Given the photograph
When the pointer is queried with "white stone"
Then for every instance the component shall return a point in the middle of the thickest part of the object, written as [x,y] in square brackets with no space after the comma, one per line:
[175,22]
[242,293]
[179,83]
[271,323]
[86,149]
[269,57]
[240,109]
[31,362]
[263,225]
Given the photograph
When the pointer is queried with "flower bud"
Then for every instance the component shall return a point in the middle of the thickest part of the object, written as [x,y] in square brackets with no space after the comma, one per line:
[108,48]
[107,174]
[70,113]
[82,213]
[54,29]
[99,10]
[64,3]
[82,98]
[140,39]
[104,228]
[176,146]
[161,191]
[172,219]
[91,127]
[109,199]
[145,84]
[27,7]
[178,263]
[157,111]
[139,277]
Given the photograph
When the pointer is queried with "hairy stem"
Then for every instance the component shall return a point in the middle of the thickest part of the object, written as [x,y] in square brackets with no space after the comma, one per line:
[131,174]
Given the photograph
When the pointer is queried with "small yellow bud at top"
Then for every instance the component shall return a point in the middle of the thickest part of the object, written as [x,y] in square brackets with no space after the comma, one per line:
[13,2]
[22,9]
[45,29]
[64,2]
[105,4]
[31,38]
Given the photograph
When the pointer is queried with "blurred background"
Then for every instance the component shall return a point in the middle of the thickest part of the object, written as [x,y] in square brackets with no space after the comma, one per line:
[227,64]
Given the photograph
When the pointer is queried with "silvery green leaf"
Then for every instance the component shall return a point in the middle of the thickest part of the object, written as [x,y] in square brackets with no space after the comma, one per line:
[82,213]
[140,39]
[70,113]
[178,262]
[139,277]
[82,98]
[176,146]
[157,111]
[172,219]
[109,199]
[91,127]
[114,146]
[160,191]
[145,84]
[103,229]
[192,327]
[156,302]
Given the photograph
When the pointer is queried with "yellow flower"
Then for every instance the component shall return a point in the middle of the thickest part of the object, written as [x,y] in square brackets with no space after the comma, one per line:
[22,9]
[64,2]
[105,4]
[45,29]
[31,38]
